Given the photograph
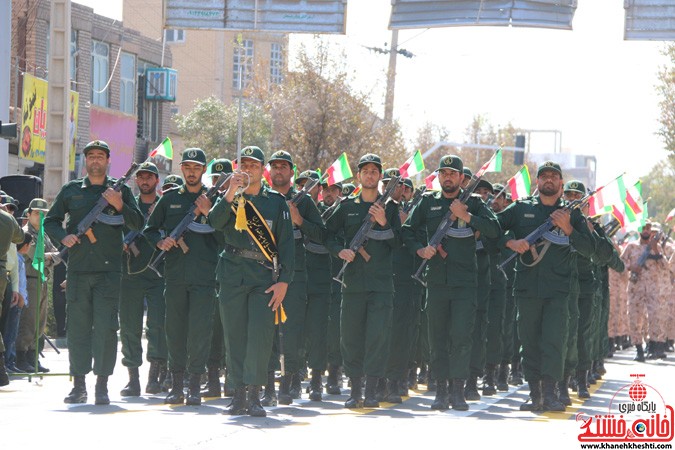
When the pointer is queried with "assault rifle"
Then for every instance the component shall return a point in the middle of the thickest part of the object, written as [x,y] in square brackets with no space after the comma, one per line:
[546,227]
[309,185]
[130,238]
[611,227]
[84,227]
[414,201]
[180,229]
[644,256]
[361,236]
[444,226]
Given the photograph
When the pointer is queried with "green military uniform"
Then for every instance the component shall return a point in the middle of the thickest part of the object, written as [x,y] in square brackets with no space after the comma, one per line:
[452,283]
[190,282]
[510,354]
[367,294]
[10,232]
[141,285]
[93,276]
[542,289]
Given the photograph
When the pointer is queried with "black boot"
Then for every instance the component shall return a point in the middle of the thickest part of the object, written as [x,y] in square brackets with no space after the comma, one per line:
[489,387]
[238,405]
[153,386]
[402,387]
[640,357]
[133,387]
[101,391]
[582,384]
[591,377]
[79,392]
[660,350]
[168,381]
[22,362]
[194,396]
[332,384]
[212,388]
[471,389]
[502,377]
[355,399]
[381,391]
[563,392]
[4,378]
[176,395]
[315,386]
[284,389]
[516,376]
[270,394]
[551,400]
[457,399]
[610,348]
[533,403]
[164,379]
[412,378]
[228,389]
[30,357]
[370,400]
[296,386]
[441,402]
[600,367]
[392,392]
[255,409]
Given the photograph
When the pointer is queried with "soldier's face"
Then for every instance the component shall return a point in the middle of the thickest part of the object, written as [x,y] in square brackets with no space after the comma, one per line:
[407,193]
[192,173]
[369,176]
[484,193]
[450,180]
[146,182]
[280,173]
[549,183]
[96,162]
[646,231]
[253,168]
[499,203]
[330,194]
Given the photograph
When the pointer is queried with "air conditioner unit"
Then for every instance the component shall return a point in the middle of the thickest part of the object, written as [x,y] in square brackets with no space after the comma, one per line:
[161,84]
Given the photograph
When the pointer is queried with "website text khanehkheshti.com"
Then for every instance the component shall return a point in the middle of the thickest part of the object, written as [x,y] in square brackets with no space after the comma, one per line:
[627,445]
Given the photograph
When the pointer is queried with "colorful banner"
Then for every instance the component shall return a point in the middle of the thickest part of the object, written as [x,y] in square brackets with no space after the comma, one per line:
[118,130]
[34,121]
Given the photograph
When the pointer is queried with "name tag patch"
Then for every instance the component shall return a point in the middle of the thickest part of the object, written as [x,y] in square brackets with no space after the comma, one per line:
[528,216]
[175,206]
[436,208]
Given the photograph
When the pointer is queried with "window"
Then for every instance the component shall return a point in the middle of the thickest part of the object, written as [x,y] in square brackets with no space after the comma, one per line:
[174,36]
[73,59]
[148,110]
[276,63]
[127,83]
[242,67]
[99,70]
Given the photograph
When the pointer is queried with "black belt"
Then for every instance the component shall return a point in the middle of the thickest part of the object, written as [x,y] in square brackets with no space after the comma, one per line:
[248,254]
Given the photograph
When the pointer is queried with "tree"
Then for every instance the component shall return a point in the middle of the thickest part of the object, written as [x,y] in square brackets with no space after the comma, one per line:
[317,115]
[658,187]
[212,126]
[666,88]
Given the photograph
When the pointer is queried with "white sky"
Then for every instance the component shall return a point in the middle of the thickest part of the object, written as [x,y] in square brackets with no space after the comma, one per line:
[589,83]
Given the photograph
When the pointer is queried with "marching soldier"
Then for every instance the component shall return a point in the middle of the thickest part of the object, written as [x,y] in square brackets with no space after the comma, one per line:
[94,265]
[140,285]
[306,222]
[254,271]
[368,288]
[451,277]
[172,181]
[542,287]
[189,273]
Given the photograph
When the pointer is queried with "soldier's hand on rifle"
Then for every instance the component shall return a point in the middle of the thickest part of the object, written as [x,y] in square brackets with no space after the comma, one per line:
[296,218]
[427,252]
[518,245]
[561,219]
[167,244]
[238,180]
[347,255]
[460,210]
[203,205]
[70,240]
[377,211]
[278,291]
[114,199]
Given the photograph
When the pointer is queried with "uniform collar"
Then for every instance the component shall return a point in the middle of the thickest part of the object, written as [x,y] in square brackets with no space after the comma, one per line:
[86,183]
[183,190]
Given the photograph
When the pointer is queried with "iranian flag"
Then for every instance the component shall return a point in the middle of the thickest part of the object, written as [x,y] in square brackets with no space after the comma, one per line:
[432,182]
[610,198]
[633,202]
[339,171]
[266,174]
[413,166]
[520,184]
[493,165]
[670,216]
[164,149]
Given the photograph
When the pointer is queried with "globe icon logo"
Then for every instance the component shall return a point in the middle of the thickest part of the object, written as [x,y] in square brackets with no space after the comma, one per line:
[637,391]
[640,427]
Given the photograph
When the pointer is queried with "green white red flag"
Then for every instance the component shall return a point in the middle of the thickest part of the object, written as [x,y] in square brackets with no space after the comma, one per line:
[519,184]
[339,170]
[412,166]
[670,216]
[432,182]
[494,164]
[164,149]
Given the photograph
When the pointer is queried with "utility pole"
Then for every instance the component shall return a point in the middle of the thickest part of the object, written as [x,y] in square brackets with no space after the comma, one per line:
[391,78]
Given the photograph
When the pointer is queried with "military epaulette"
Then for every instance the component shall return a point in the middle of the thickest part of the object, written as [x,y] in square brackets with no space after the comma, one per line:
[75,181]
[429,193]
[272,191]
[175,188]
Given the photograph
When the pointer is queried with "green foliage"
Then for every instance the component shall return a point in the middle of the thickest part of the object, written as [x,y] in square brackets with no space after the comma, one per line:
[658,187]
[666,89]
[212,126]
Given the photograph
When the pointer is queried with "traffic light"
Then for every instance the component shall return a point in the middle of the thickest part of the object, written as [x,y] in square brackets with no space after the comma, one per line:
[7,130]
[519,155]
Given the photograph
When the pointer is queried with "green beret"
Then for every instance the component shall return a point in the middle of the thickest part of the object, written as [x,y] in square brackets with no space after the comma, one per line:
[221,165]
[451,162]
[195,155]
[549,165]
[467,172]
[347,189]
[408,182]
[575,186]
[499,188]
[148,167]
[308,174]
[483,183]
[282,155]
[391,173]
[174,179]
[253,152]
[100,145]
[38,204]
[369,158]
